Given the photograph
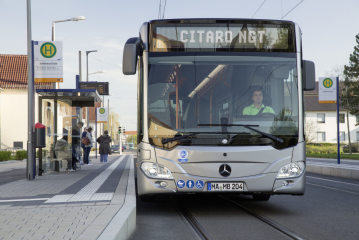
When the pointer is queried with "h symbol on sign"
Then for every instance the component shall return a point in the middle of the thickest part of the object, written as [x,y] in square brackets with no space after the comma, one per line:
[47,49]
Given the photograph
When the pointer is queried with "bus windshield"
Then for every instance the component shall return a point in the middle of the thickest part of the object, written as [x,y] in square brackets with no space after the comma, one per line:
[187,90]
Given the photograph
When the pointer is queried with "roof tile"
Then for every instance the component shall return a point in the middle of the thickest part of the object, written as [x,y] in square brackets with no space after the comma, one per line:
[13,73]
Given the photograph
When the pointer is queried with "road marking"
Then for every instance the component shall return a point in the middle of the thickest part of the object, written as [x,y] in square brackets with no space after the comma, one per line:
[337,189]
[23,200]
[334,181]
[89,191]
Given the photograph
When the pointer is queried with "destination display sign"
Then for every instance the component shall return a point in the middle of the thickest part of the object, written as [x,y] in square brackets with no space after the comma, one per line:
[101,87]
[222,37]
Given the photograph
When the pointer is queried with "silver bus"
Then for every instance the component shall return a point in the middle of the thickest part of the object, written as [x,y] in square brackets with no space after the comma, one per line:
[220,106]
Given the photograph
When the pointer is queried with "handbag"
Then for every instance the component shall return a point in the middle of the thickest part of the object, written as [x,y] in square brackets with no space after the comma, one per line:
[85,141]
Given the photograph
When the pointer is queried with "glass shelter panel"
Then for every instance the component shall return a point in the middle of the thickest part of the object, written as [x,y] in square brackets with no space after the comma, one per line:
[63,132]
[211,88]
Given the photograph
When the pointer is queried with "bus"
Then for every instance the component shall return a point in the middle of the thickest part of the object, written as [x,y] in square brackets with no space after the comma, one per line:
[220,106]
[130,145]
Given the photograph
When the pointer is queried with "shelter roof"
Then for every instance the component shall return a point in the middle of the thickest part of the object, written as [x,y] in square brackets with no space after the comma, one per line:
[71,94]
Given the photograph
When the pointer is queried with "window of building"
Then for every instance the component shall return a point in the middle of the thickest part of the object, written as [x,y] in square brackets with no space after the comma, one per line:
[358,136]
[342,136]
[357,119]
[321,117]
[342,118]
[320,136]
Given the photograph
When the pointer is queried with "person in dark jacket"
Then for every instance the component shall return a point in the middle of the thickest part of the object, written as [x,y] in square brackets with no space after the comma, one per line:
[84,133]
[104,141]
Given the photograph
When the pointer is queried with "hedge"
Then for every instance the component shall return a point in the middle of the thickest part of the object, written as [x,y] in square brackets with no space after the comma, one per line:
[5,155]
[321,149]
[21,154]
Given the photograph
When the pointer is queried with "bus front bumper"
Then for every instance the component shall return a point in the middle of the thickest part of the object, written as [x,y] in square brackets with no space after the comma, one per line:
[263,183]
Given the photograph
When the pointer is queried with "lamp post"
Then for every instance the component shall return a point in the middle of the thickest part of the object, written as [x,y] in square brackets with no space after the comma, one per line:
[74,19]
[87,79]
[31,100]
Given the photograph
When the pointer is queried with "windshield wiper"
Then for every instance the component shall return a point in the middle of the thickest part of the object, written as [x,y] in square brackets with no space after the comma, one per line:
[246,126]
[167,140]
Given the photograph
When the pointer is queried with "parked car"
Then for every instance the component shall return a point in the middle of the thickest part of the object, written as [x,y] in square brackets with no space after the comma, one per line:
[115,148]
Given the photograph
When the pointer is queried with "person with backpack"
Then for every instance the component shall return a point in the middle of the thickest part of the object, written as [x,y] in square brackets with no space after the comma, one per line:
[88,142]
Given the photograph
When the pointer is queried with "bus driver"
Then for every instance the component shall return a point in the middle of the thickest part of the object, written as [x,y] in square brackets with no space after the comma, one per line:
[257,107]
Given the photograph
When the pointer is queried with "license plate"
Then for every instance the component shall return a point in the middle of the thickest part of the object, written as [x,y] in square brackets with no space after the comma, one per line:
[225,186]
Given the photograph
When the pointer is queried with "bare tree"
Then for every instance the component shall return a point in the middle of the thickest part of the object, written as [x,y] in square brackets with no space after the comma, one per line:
[311,128]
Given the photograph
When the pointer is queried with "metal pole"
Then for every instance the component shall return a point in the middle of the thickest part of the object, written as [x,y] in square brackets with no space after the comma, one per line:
[31,113]
[108,115]
[87,79]
[103,105]
[338,133]
[53,39]
[80,67]
[96,133]
[120,143]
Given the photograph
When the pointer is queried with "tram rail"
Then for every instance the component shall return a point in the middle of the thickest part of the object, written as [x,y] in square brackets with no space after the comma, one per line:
[203,233]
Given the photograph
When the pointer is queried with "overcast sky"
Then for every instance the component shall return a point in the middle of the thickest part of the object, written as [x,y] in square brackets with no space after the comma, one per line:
[329,28]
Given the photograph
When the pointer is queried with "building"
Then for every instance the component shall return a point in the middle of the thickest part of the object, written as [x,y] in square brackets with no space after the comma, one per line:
[14,103]
[14,100]
[324,117]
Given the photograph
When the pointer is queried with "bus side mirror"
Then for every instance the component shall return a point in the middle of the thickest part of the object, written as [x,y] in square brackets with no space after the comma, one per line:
[131,51]
[308,75]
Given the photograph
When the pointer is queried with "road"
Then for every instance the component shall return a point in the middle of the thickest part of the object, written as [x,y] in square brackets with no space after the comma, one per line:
[328,210]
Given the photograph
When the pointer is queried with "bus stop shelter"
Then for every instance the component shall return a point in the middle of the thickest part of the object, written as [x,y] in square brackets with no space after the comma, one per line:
[60,110]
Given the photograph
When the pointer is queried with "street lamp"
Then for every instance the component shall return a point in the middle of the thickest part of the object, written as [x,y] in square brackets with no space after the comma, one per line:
[87,79]
[75,19]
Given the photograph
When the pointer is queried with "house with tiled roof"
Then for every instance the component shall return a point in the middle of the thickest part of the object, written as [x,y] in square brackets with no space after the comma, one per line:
[324,116]
[14,99]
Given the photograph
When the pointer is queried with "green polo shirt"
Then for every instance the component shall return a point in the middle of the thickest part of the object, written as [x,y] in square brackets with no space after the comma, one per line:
[253,110]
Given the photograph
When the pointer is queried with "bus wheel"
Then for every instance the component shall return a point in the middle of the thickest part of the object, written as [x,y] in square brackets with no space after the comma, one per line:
[261,197]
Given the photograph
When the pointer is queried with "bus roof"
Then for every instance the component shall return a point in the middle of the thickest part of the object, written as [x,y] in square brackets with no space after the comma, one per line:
[219,20]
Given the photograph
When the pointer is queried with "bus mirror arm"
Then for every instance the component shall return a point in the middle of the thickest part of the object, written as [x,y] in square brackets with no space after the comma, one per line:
[308,75]
[131,51]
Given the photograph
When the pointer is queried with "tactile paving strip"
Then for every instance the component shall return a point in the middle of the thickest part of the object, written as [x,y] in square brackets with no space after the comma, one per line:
[88,192]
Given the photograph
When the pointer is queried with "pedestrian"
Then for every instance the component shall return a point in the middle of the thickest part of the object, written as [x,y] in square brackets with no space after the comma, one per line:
[84,133]
[104,141]
[76,140]
[64,153]
[89,145]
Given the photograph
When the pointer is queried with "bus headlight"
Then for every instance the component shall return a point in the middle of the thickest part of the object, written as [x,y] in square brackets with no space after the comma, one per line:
[154,170]
[291,170]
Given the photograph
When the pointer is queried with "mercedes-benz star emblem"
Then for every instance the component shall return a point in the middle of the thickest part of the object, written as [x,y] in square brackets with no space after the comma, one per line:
[225,170]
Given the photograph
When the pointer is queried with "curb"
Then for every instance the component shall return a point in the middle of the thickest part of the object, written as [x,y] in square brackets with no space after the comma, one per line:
[334,171]
[123,223]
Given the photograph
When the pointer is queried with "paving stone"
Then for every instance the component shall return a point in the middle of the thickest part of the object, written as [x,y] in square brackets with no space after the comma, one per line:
[36,220]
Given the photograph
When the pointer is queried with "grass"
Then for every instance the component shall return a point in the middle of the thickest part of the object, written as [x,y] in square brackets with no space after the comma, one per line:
[334,156]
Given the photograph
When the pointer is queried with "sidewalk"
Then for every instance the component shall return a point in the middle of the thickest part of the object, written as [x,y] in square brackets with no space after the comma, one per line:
[96,202]
[346,168]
